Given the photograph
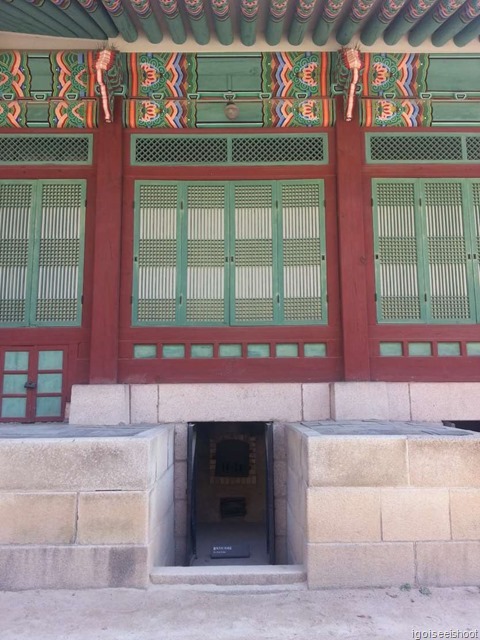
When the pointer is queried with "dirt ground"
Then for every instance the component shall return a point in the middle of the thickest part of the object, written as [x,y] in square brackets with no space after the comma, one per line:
[239,613]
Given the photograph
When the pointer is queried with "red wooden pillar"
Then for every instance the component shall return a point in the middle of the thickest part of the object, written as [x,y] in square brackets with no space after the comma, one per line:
[352,250]
[106,256]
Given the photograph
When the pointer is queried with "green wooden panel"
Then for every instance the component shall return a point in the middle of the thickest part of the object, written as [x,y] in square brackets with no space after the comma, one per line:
[314,350]
[16,249]
[286,350]
[201,351]
[253,284]
[50,360]
[145,351]
[302,274]
[448,348]
[204,275]
[464,113]
[14,408]
[156,253]
[391,349]
[475,232]
[420,349]
[47,406]
[14,383]
[453,73]
[16,361]
[49,383]
[173,351]
[258,350]
[449,283]
[230,351]
[59,250]
[214,112]
[221,74]
[473,348]
[398,280]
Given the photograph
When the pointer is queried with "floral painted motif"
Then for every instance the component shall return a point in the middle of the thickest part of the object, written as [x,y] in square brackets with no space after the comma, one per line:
[304,9]
[331,10]
[195,8]
[289,112]
[159,114]
[13,114]
[288,74]
[221,9]
[62,4]
[360,9]
[14,74]
[416,9]
[395,113]
[389,10]
[80,114]
[73,73]
[278,8]
[393,73]
[170,74]
[249,9]
[444,9]
[89,5]
[114,7]
[169,8]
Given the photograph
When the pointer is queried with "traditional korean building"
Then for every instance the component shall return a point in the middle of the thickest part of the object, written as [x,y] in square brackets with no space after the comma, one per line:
[232,216]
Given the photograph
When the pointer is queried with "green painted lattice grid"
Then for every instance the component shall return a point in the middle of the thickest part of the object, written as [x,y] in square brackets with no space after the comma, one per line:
[42,149]
[428,147]
[229,149]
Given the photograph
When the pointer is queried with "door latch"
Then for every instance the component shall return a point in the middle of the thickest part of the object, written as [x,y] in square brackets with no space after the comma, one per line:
[30,385]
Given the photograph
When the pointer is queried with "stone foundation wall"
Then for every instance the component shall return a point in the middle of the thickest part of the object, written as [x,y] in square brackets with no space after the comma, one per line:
[85,512]
[386,510]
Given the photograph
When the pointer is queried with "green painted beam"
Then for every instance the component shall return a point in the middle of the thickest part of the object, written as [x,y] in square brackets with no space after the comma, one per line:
[10,19]
[147,19]
[58,16]
[275,21]
[358,12]
[412,13]
[300,20]
[174,20]
[455,24]
[26,14]
[430,23]
[248,21]
[380,20]
[121,19]
[198,21]
[326,21]
[470,32]
[222,21]
[99,15]
[86,24]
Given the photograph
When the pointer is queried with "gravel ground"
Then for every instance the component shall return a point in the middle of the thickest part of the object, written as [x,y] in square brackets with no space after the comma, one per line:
[239,613]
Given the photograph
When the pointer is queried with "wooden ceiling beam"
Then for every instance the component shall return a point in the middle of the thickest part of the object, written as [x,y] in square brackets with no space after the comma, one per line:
[121,19]
[349,25]
[148,20]
[25,13]
[455,24]
[57,17]
[468,34]
[434,18]
[406,19]
[89,28]
[379,20]
[222,21]
[326,21]
[173,20]
[198,20]
[98,14]
[275,21]
[21,22]
[248,21]
[301,18]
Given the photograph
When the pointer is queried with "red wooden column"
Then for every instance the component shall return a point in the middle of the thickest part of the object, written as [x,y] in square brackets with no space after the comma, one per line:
[352,251]
[106,256]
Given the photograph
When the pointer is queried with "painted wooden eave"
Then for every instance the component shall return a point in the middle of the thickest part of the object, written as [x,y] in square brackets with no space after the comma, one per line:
[236,25]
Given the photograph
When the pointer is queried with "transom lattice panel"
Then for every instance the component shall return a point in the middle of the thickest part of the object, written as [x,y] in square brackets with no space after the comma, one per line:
[229,149]
[46,149]
[446,255]
[156,253]
[396,253]
[433,148]
[206,205]
[253,253]
[16,210]
[60,253]
[302,251]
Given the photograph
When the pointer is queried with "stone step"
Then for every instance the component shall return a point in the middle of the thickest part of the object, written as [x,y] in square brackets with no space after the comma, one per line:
[230,575]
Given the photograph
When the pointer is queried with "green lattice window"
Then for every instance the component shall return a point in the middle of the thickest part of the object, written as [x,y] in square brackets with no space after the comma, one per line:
[220,253]
[427,242]
[41,252]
